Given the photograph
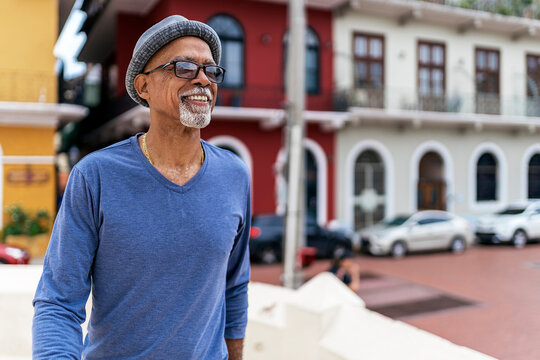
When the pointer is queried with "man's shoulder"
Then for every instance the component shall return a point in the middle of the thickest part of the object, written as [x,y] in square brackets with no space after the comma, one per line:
[228,159]
[111,155]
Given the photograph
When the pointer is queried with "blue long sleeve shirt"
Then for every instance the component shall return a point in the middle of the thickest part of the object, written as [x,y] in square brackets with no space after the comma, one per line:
[168,265]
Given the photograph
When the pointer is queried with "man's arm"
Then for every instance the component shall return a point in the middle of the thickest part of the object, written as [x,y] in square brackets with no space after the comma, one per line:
[60,299]
[236,296]
[235,347]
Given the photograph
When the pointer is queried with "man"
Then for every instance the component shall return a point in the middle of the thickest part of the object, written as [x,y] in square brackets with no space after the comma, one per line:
[156,225]
[345,268]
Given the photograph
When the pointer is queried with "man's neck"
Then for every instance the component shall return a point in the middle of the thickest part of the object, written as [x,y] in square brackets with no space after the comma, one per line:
[174,146]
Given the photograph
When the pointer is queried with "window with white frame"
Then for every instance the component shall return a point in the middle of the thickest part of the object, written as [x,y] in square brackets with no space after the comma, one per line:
[487,81]
[533,85]
[431,75]
[486,177]
[368,51]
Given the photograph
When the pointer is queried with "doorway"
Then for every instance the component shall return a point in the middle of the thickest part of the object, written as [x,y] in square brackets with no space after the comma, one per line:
[431,183]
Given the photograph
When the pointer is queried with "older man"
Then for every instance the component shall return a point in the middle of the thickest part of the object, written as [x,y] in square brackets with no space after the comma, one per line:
[157,226]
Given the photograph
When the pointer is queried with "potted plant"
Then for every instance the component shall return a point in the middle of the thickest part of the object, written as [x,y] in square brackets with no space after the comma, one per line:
[27,230]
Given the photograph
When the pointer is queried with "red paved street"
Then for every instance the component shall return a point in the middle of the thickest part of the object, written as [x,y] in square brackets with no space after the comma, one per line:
[490,295]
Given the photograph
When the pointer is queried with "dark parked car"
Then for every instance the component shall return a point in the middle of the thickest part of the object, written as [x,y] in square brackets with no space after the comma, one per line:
[10,254]
[266,239]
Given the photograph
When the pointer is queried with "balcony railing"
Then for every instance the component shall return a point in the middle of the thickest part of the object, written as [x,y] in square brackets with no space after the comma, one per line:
[384,98]
[530,9]
[27,86]
[262,96]
[401,99]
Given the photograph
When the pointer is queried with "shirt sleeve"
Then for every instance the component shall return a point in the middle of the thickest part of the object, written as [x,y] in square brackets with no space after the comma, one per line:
[62,292]
[238,273]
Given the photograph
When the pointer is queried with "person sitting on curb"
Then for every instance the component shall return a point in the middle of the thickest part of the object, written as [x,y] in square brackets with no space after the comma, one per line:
[345,268]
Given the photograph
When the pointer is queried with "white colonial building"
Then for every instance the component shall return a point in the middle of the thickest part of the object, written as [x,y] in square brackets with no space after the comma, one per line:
[444,109]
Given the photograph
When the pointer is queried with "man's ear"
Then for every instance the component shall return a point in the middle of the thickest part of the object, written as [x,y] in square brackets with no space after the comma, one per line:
[141,86]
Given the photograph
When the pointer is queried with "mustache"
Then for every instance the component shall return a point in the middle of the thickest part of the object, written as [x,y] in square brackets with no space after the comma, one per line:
[198,91]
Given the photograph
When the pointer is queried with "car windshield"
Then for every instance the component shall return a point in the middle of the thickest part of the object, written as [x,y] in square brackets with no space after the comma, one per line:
[511,211]
[397,221]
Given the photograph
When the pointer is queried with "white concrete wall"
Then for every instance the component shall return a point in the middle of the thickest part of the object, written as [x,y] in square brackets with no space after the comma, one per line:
[321,320]
[18,284]
[324,320]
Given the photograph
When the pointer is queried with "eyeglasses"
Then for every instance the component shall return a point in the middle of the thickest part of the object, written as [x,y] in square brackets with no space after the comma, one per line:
[190,70]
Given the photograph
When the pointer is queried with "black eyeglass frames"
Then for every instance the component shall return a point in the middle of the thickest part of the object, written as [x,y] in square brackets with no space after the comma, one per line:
[185,69]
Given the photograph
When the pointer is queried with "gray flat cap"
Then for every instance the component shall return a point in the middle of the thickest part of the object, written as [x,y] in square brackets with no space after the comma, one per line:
[159,35]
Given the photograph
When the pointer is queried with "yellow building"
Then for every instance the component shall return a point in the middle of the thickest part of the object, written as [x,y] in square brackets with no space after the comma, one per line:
[29,112]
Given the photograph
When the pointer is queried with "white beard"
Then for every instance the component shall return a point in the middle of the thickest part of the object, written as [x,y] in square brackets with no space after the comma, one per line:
[194,116]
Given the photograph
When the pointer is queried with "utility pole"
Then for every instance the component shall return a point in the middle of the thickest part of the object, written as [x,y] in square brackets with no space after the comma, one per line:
[294,225]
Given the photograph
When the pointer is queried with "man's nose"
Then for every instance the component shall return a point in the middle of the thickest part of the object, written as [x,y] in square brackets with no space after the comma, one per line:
[201,79]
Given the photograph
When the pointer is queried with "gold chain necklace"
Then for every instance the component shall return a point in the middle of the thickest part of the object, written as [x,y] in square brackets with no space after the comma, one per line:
[145,149]
[147,154]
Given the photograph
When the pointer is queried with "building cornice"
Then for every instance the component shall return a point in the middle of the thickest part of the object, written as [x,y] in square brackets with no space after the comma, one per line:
[33,160]
[418,119]
[270,119]
[39,114]
[139,117]
[461,19]
[273,118]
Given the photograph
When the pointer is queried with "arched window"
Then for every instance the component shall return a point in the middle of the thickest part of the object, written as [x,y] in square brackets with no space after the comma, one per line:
[431,182]
[534,177]
[232,49]
[369,189]
[486,178]
[312,60]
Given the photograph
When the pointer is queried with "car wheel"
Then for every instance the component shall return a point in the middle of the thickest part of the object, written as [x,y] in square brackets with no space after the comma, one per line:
[269,255]
[3,261]
[519,239]
[458,245]
[398,250]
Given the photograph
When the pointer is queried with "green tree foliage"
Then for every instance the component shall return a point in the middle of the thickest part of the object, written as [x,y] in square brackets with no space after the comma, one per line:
[520,8]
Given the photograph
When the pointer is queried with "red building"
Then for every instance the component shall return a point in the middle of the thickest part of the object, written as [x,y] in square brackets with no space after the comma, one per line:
[249,117]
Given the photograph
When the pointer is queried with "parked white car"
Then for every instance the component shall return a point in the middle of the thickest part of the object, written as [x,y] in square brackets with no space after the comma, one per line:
[517,224]
[424,230]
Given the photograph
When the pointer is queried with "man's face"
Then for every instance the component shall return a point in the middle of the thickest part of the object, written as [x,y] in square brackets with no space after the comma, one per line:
[189,100]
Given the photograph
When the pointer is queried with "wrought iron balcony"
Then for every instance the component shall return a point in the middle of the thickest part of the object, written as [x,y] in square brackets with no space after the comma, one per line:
[455,102]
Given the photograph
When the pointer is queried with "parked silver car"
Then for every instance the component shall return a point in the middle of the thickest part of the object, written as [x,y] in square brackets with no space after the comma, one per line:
[516,224]
[424,230]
